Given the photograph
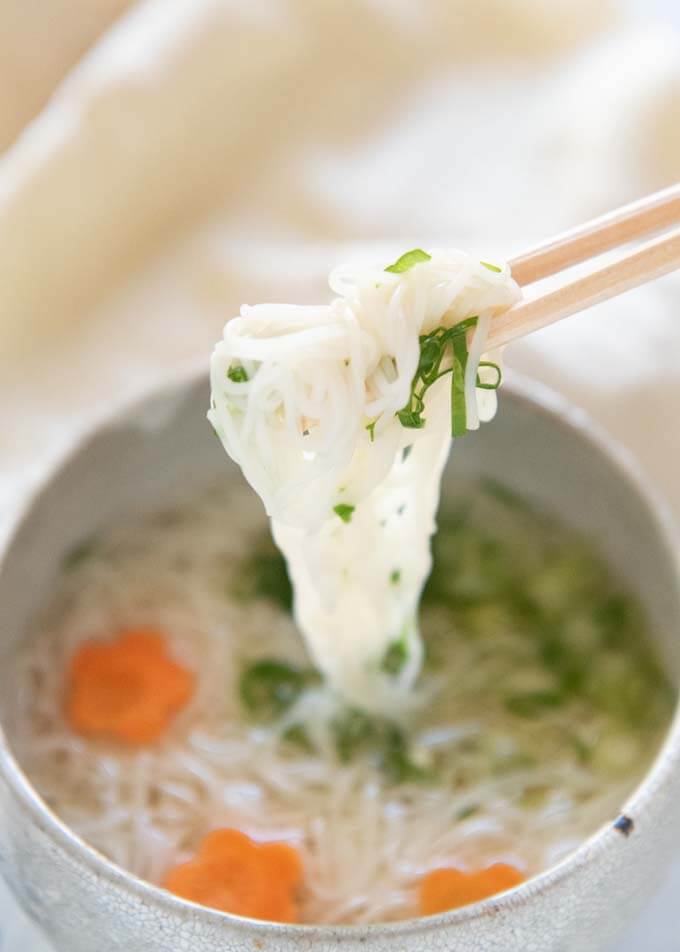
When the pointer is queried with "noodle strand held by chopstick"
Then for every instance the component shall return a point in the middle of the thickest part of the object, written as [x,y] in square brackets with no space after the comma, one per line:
[340,417]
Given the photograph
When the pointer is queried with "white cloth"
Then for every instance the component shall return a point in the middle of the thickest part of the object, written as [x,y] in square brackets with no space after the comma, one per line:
[210,152]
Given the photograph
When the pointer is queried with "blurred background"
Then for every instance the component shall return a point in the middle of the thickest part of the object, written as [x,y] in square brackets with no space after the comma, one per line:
[164,161]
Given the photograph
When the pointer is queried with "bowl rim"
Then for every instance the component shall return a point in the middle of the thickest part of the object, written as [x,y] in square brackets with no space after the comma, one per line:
[541,399]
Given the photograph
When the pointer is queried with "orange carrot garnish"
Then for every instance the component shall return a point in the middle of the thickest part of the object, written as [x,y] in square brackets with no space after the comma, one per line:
[449,888]
[235,874]
[126,689]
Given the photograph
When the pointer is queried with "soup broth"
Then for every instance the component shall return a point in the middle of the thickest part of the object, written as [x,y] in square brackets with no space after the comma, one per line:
[539,707]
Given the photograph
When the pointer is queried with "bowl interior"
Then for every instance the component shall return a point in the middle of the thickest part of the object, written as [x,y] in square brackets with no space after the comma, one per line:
[162,449]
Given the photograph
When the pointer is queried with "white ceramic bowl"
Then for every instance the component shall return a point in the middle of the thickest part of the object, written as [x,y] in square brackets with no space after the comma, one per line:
[150,454]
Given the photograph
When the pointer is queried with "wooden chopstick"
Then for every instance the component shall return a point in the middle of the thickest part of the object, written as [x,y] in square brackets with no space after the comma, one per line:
[636,267]
[650,261]
[637,220]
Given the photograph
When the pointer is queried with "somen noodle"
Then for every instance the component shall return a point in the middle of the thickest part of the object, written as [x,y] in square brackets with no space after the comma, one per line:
[341,417]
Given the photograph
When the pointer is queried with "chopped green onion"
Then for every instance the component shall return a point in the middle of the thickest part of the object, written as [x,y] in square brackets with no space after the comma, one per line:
[491,267]
[395,577]
[237,373]
[467,811]
[371,430]
[344,511]
[406,452]
[408,260]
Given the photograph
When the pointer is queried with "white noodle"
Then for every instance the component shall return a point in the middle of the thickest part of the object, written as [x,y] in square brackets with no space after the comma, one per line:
[314,427]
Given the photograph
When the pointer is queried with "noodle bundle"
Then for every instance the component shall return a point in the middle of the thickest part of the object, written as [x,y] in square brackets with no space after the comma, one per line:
[316,405]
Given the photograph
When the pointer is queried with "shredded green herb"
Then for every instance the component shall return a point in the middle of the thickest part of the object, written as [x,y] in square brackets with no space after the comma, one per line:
[237,373]
[494,385]
[395,657]
[408,260]
[560,620]
[371,430]
[356,732]
[534,796]
[406,452]
[396,761]
[434,347]
[269,687]
[344,511]
[511,763]
[532,703]
[616,617]
[298,737]
[583,751]
[501,492]
[458,408]
[263,574]
[352,730]
[492,267]
[79,554]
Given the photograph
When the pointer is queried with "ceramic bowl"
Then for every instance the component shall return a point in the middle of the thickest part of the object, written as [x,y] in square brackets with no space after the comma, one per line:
[146,456]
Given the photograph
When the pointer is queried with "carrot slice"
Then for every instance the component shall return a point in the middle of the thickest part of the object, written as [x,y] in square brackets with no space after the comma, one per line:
[235,874]
[127,689]
[450,888]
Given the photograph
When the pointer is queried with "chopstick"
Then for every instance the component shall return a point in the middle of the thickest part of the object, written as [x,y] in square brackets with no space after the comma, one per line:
[637,220]
[646,262]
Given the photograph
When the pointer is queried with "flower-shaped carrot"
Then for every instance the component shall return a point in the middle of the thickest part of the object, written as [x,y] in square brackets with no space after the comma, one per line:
[127,689]
[444,889]
[233,873]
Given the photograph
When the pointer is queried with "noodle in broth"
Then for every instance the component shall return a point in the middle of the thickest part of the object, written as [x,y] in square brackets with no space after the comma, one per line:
[538,709]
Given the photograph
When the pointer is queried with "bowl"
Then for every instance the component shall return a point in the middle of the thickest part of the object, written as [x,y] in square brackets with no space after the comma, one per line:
[149,455]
